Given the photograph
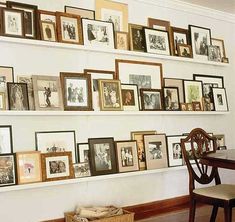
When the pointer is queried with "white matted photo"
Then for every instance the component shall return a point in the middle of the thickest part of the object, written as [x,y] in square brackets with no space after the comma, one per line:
[220,99]
[130,97]
[6,145]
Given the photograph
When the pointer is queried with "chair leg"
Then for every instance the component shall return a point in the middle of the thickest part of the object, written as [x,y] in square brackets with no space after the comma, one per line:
[214,214]
[192,210]
[227,214]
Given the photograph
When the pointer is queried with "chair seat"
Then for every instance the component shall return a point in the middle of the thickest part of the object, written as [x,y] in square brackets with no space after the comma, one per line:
[221,191]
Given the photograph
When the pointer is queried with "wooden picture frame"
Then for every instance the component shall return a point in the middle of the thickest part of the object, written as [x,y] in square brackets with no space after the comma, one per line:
[102,156]
[81,170]
[189,106]
[214,53]
[48,31]
[6,139]
[184,51]
[171,98]
[174,82]
[197,106]
[220,44]
[6,75]
[2,101]
[151,99]
[46,16]
[122,40]
[183,106]
[57,166]
[220,99]
[71,30]
[3,4]
[137,39]
[29,169]
[76,88]
[82,152]
[82,12]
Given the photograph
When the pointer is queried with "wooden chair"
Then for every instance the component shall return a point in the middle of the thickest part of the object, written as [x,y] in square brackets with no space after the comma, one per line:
[196,144]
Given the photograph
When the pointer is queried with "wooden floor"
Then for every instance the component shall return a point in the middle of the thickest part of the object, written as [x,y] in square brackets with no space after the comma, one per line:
[202,215]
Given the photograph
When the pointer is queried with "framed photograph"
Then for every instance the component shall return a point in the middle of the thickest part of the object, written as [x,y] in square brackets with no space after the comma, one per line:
[83,152]
[122,40]
[48,31]
[155,151]
[193,91]
[114,12]
[179,36]
[171,98]
[183,106]
[175,157]
[95,75]
[76,89]
[29,168]
[6,75]
[172,82]
[220,140]
[30,17]
[137,39]
[69,28]
[46,16]
[139,137]
[7,170]
[110,95]
[98,33]
[184,51]
[214,54]
[130,97]
[17,96]
[2,101]
[28,80]
[57,166]
[12,23]
[200,40]
[157,41]
[127,156]
[151,99]
[47,93]
[220,99]
[56,141]
[220,44]
[6,143]
[82,12]
[81,170]
[147,75]
[102,156]
[189,106]
[197,106]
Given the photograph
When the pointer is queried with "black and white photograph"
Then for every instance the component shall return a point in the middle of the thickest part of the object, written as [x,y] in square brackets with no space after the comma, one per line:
[208,95]
[122,40]
[81,170]
[18,96]
[142,81]
[6,144]
[130,97]
[214,53]
[48,31]
[69,32]
[220,99]
[151,99]
[82,152]
[171,98]
[57,167]
[137,39]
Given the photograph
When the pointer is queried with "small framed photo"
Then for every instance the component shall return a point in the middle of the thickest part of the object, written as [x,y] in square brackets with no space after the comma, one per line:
[155,151]
[6,75]
[130,97]
[184,51]
[122,40]
[7,170]
[137,39]
[2,101]
[225,60]
[69,28]
[183,106]
[57,166]
[82,152]
[18,96]
[220,44]
[127,156]
[47,93]
[29,167]
[82,12]
[56,141]
[171,98]
[98,33]
[110,95]
[214,54]
[151,99]
[102,156]
[3,5]
[81,170]
[6,143]
[207,105]
[197,106]
[76,89]
[157,41]
[48,31]
[220,141]
[189,106]
[173,82]
[220,99]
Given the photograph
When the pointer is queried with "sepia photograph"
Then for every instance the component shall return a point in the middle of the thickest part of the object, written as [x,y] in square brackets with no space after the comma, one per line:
[121,40]
[171,98]
[151,99]
[220,99]
[137,39]
[81,170]
[214,53]
[48,31]
[6,144]
[184,51]
[102,156]
[130,97]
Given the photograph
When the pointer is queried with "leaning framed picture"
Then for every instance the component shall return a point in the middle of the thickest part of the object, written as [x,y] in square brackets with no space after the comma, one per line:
[214,54]
[47,93]
[137,40]
[56,141]
[130,97]
[8,175]
[82,152]
[6,142]
[151,99]
[2,101]
[127,156]
[220,44]
[48,31]
[81,170]
[200,40]
[220,99]
[173,82]
[83,12]
[184,50]
[122,40]
[102,156]
[76,88]
[57,166]
[6,75]
[46,16]
[98,33]
[29,167]
[171,98]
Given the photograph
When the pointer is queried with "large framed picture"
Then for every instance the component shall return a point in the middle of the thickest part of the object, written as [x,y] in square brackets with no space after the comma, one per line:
[76,89]
[6,143]
[220,99]
[173,82]
[151,99]
[7,170]
[127,156]
[102,156]
[47,93]
[56,141]
[82,152]
[137,39]
[114,12]
[81,170]
[83,12]
[171,98]
[57,166]
[200,40]
[155,151]
[29,167]
[220,44]
[98,33]
[18,96]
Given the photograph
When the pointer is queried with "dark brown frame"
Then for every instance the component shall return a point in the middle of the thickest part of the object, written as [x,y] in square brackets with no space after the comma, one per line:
[195,104]
[91,142]
[41,30]
[141,29]
[11,138]
[177,89]
[78,76]
[83,9]
[186,46]
[219,59]
[2,4]
[142,100]
[127,40]
[79,27]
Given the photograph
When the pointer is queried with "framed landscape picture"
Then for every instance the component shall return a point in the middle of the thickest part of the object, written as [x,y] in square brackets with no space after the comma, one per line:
[137,39]
[82,12]
[83,152]
[173,82]
[48,31]
[81,170]
[6,142]
[220,99]
[130,97]
[151,99]
[171,98]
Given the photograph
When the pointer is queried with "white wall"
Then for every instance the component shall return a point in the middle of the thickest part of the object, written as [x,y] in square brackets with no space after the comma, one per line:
[48,203]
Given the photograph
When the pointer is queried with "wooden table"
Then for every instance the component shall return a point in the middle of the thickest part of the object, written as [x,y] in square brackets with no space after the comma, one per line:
[221,158]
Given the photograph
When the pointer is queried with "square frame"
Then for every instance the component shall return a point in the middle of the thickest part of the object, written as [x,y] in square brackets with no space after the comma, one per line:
[155,105]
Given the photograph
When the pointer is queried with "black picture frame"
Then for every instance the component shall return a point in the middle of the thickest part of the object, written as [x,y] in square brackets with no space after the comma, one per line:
[79,158]
[11,138]
[201,76]
[165,97]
